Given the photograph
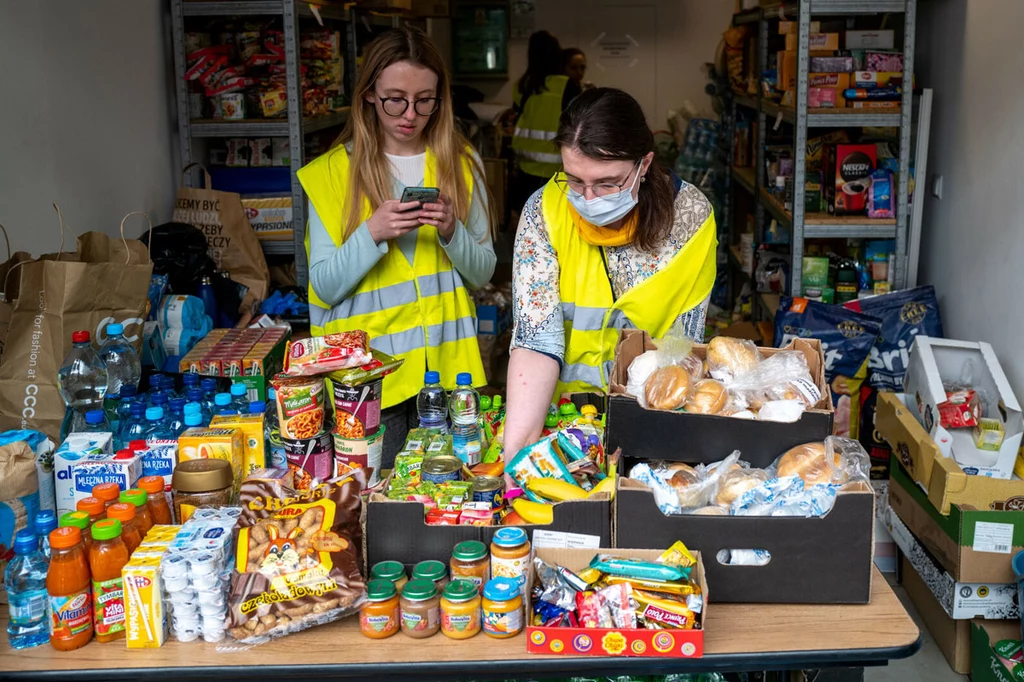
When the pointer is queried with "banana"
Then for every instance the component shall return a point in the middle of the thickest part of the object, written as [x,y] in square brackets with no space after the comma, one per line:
[605,485]
[534,512]
[555,489]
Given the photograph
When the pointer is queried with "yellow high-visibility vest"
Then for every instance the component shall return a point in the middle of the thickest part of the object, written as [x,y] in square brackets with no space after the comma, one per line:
[421,312]
[536,127]
[593,317]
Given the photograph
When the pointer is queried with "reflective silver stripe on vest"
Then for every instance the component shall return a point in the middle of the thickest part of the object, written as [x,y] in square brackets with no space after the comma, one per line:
[592,319]
[592,376]
[318,317]
[440,283]
[540,156]
[451,330]
[399,343]
[374,301]
[534,134]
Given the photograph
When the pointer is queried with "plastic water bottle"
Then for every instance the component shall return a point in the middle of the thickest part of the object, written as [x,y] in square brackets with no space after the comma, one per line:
[221,402]
[154,383]
[45,522]
[205,293]
[25,580]
[96,422]
[123,365]
[129,394]
[432,403]
[239,398]
[209,386]
[176,418]
[134,427]
[256,407]
[464,407]
[193,419]
[82,379]
[156,425]
[167,386]
[159,399]
[194,396]
[189,380]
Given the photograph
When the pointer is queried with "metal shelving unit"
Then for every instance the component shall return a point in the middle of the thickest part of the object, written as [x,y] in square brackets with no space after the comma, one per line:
[295,127]
[803,225]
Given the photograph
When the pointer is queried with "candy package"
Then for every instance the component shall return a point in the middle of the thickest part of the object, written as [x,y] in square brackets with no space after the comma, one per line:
[540,460]
[380,365]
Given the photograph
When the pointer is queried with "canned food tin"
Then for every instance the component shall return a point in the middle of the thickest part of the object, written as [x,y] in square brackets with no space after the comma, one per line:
[489,489]
[311,460]
[356,453]
[441,469]
[357,409]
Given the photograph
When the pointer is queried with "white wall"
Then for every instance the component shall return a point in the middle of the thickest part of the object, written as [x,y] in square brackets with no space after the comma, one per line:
[684,35]
[86,117]
[973,238]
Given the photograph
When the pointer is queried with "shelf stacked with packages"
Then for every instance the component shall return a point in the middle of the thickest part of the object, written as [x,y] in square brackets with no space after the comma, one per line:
[792,220]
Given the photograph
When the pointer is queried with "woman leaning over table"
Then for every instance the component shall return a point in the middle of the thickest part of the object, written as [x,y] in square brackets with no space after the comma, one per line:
[614,240]
[400,271]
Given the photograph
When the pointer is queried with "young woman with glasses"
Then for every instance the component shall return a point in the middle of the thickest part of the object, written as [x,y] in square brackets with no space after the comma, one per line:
[615,240]
[401,271]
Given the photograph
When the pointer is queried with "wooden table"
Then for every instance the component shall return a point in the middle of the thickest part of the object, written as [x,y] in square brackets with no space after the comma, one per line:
[738,637]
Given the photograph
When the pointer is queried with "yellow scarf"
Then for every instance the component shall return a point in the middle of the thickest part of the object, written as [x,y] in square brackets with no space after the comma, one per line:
[606,236]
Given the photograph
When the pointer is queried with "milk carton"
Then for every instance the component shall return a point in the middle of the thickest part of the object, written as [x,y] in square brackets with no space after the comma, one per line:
[63,460]
[145,618]
[81,442]
[159,459]
[91,470]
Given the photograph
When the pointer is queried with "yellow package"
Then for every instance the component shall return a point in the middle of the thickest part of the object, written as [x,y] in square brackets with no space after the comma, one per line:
[226,444]
[145,620]
[251,426]
[677,555]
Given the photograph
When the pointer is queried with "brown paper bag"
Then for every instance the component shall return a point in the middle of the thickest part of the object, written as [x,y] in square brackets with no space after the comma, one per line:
[19,496]
[231,239]
[9,290]
[105,281]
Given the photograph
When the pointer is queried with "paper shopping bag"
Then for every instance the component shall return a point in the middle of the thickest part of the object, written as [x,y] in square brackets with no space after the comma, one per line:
[233,244]
[105,281]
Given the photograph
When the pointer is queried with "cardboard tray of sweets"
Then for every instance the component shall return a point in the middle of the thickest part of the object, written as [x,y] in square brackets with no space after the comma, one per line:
[696,438]
[613,641]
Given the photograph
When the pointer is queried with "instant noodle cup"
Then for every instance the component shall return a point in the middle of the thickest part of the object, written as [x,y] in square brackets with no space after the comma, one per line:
[311,460]
[300,405]
[357,409]
[365,453]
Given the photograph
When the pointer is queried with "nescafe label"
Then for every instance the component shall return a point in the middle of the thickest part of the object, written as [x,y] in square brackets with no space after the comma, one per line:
[855,166]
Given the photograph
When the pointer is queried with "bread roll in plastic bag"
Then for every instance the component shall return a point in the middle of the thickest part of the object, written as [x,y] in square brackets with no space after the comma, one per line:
[782,376]
[836,461]
[729,358]
[669,386]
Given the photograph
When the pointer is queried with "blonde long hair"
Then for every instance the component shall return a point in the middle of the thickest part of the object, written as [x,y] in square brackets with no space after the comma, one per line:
[370,170]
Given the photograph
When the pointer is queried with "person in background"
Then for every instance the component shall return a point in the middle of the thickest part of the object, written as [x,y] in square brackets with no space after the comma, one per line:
[576,67]
[400,271]
[615,240]
[540,96]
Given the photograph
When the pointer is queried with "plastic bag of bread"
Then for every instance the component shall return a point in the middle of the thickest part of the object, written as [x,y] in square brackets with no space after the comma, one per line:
[297,555]
[669,386]
[708,396]
[736,482]
[680,487]
[640,370]
[730,358]
[836,461]
[781,376]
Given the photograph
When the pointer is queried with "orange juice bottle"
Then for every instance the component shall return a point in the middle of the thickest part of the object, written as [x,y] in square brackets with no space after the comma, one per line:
[69,590]
[108,492]
[139,499]
[106,559]
[125,513]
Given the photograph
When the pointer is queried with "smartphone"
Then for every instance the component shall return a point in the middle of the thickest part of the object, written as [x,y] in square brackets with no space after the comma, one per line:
[424,195]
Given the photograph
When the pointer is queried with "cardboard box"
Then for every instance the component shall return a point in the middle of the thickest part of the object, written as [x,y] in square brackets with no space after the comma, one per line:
[614,641]
[991,641]
[492,319]
[821,42]
[848,177]
[880,106]
[823,560]
[787,71]
[792,27]
[953,637]
[693,438]
[874,79]
[933,361]
[959,600]
[942,478]
[91,470]
[253,441]
[270,217]
[870,40]
[396,530]
[972,545]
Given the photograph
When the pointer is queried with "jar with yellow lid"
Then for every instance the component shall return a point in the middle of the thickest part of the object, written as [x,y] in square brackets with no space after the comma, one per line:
[510,555]
[503,608]
[471,561]
[460,610]
[380,615]
[390,570]
[434,571]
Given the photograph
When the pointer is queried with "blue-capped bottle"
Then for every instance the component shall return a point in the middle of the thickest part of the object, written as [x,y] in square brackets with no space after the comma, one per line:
[167,386]
[154,382]
[123,365]
[239,398]
[432,403]
[193,419]
[209,386]
[464,408]
[195,397]
[156,425]
[134,428]
[221,403]
[95,422]
[189,380]
[128,395]
[45,522]
[176,416]
[257,407]
[25,582]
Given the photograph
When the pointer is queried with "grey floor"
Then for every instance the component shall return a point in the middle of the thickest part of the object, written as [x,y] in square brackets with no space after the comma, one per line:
[927,665]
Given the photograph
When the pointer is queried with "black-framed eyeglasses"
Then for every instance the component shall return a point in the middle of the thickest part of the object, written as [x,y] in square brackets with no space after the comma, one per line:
[601,189]
[397,106]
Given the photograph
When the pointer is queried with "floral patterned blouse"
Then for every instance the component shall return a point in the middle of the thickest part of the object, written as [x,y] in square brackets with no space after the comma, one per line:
[536,300]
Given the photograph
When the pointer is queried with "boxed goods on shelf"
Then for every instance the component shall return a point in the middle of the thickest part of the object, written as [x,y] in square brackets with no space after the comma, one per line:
[577,641]
[995,651]
[871,40]
[270,216]
[953,637]
[973,545]
[818,41]
[251,355]
[643,433]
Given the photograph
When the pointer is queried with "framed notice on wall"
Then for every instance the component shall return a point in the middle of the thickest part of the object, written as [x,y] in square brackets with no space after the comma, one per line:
[480,39]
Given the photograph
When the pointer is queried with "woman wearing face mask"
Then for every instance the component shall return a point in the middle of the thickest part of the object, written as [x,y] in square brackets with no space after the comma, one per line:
[400,271]
[615,240]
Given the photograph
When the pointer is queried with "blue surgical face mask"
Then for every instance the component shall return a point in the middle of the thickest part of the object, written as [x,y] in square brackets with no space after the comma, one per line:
[601,211]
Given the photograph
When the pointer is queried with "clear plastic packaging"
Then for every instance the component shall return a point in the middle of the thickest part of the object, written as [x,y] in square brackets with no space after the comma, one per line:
[782,376]
[729,359]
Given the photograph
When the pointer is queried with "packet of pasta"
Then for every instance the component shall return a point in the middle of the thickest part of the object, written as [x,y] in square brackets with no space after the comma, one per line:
[329,353]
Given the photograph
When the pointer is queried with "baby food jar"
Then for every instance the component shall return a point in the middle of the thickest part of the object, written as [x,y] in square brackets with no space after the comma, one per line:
[460,610]
[379,616]
[503,608]
[434,571]
[390,570]
[421,609]
[510,555]
[470,561]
